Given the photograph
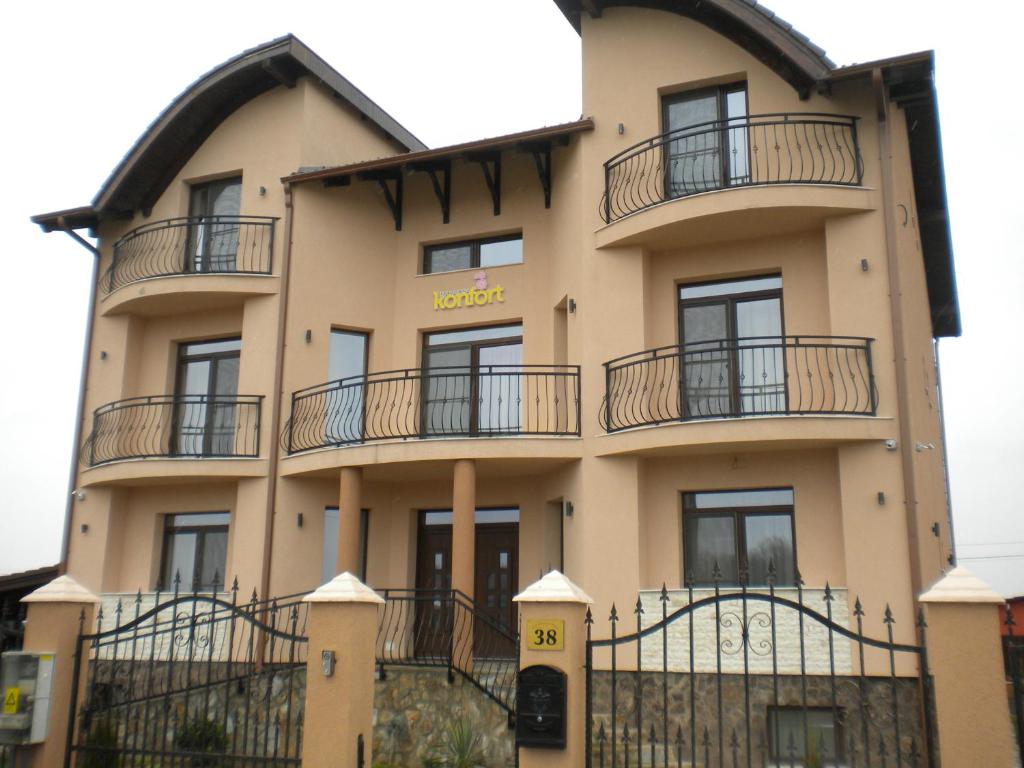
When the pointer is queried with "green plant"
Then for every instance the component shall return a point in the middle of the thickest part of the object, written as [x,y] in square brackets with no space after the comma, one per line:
[100,742]
[459,747]
[205,736]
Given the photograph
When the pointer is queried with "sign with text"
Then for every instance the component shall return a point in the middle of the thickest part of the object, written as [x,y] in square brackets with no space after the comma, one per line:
[477,296]
[545,634]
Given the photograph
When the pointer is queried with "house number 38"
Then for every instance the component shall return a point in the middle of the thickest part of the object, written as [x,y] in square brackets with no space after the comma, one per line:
[545,634]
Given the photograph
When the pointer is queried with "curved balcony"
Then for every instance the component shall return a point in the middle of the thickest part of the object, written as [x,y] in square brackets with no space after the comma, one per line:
[207,245]
[793,148]
[446,402]
[763,376]
[174,426]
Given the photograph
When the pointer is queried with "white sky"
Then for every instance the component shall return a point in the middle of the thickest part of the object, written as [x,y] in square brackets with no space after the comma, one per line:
[84,80]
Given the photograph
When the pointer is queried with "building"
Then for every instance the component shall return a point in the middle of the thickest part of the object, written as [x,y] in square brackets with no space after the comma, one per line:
[13,587]
[685,340]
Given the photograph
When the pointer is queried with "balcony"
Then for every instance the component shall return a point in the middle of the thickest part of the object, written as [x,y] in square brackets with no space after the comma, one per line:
[796,148]
[764,376]
[191,249]
[174,427]
[446,402]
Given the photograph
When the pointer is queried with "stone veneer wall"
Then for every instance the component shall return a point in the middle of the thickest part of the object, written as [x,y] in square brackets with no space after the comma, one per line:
[413,706]
[880,714]
[259,713]
[730,619]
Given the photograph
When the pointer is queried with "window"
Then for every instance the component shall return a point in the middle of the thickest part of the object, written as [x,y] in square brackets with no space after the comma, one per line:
[732,358]
[824,742]
[732,528]
[344,415]
[214,208]
[708,145]
[472,381]
[329,560]
[196,547]
[206,398]
[473,254]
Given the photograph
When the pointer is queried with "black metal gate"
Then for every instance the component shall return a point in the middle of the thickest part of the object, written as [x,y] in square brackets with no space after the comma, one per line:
[191,679]
[756,678]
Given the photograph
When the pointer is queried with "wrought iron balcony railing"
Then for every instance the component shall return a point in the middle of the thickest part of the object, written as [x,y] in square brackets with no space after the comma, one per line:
[175,426]
[483,401]
[191,246]
[763,376]
[796,148]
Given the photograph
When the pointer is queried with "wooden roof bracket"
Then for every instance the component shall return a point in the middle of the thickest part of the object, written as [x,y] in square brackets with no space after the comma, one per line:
[392,198]
[490,164]
[442,186]
[541,151]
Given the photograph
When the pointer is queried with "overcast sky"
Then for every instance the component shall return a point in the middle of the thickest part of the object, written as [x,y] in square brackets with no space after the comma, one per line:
[84,81]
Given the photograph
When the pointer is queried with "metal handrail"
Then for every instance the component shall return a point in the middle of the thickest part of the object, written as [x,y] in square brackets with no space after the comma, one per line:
[192,245]
[751,376]
[174,426]
[776,148]
[445,628]
[443,401]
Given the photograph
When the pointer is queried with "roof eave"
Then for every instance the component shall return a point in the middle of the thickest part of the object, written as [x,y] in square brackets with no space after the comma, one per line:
[116,195]
[481,145]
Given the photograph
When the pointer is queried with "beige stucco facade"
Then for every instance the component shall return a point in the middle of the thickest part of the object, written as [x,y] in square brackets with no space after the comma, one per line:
[586,292]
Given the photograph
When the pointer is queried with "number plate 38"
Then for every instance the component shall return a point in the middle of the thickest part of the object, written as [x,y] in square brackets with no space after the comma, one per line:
[545,634]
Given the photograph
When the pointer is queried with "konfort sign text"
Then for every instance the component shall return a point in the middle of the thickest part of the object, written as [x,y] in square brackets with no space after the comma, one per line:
[477,296]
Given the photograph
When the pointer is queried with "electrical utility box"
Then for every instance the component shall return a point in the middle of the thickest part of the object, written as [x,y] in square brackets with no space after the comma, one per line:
[26,682]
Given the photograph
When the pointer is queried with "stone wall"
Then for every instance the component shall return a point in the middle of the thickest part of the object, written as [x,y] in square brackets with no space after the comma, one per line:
[258,711]
[414,706]
[875,710]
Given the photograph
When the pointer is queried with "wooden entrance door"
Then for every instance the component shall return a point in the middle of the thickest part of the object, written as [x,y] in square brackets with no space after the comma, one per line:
[433,623]
[496,579]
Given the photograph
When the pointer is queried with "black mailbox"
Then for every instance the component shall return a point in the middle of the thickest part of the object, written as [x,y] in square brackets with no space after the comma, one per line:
[540,707]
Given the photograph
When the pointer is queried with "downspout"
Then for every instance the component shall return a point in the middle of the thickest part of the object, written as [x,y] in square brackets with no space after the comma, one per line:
[945,455]
[65,544]
[899,344]
[275,403]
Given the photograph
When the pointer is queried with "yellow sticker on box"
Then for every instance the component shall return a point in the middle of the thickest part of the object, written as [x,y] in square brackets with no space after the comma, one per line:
[11,698]
[545,634]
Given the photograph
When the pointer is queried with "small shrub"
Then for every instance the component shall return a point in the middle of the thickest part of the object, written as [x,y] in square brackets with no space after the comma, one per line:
[460,747]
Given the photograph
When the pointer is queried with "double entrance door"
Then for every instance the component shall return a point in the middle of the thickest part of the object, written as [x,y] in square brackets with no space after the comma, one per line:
[496,577]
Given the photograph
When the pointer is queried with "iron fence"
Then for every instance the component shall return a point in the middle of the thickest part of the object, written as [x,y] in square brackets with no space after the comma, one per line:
[195,680]
[795,148]
[455,401]
[185,426]
[713,683]
[192,245]
[758,376]
[445,628]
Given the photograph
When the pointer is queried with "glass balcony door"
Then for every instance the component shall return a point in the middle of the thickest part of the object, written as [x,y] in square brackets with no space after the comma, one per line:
[731,360]
[708,148]
[206,398]
[345,405]
[214,233]
[471,381]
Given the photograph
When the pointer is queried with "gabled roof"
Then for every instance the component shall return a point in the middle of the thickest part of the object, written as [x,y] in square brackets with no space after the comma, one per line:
[167,144]
[769,38]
